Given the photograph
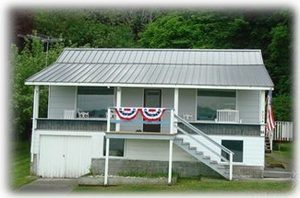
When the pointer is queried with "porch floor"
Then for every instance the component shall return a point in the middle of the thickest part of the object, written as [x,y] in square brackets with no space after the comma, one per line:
[139,135]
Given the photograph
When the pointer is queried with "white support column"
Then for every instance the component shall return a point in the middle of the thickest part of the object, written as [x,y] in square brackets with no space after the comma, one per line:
[170,162]
[106,162]
[35,115]
[172,121]
[118,104]
[108,120]
[176,102]
[230,166]
[262,111]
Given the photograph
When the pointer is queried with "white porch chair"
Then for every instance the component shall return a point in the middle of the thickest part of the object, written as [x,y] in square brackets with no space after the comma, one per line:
[69,114]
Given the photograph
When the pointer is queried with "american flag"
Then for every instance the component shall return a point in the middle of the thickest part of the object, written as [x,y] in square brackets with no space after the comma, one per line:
[270,125]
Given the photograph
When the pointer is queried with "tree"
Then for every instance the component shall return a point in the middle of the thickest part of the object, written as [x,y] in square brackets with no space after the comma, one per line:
[26,63]
[82,29]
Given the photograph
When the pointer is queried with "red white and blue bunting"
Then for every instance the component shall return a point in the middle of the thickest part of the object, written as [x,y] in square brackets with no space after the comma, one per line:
[152,114]
[149,114]
[127,113]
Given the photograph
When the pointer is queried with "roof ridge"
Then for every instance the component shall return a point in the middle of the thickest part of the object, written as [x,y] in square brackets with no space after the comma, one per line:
[161,49]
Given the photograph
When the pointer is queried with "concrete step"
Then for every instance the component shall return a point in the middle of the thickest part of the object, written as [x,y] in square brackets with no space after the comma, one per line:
[277,174]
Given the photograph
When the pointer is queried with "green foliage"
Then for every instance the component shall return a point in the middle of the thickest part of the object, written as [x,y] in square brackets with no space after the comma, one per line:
[26,63]
[282,105]
[192,29]
[268,31]
[82,29]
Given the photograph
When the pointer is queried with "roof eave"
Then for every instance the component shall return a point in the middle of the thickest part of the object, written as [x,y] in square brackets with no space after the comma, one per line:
[153,85]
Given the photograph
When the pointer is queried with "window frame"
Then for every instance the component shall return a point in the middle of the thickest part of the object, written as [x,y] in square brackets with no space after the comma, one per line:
[76,101]
[243,150]
[113,156]
[196,106]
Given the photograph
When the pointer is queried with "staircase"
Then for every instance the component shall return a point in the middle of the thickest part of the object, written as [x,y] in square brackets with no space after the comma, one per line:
[267,145]
[224,168]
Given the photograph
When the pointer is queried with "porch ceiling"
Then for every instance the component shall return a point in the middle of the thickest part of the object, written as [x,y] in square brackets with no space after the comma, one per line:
[236,68]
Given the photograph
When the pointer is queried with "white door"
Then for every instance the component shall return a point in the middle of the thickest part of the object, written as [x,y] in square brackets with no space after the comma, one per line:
[64,156]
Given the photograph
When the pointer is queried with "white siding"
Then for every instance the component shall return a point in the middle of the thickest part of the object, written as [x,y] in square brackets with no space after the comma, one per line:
[60,99]
[187,102]
[153,150]
[248,103]
[253,148]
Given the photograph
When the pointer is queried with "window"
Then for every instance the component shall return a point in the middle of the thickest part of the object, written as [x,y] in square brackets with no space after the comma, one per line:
[235,146]
[116,147]
[208,101]
[95,100]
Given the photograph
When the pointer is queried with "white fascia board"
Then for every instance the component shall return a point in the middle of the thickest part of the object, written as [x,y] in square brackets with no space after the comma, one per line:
[149,85]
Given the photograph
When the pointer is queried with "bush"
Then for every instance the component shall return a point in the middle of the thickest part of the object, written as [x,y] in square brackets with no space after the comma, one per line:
[282,106]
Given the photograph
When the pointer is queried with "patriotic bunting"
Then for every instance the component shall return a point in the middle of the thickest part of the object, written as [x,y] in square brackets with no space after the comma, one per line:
[152,114]
[149,114]
[127,113]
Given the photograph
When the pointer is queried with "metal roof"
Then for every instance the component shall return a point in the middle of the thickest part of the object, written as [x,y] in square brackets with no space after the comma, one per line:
[169,67]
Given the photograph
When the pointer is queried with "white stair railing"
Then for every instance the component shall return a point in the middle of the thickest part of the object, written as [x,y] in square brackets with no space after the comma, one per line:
[206,137]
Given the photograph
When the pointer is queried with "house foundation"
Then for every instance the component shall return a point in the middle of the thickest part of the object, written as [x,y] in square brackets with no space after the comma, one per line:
[180,168]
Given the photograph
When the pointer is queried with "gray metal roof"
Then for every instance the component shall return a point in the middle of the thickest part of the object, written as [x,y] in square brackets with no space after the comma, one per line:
[170,67]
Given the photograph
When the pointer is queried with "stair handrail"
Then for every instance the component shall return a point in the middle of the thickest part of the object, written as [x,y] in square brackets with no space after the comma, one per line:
[199,132]
[198,141]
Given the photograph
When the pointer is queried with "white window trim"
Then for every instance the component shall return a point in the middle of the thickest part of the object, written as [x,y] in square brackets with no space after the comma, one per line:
[212,121]
[76,100]
[236,163]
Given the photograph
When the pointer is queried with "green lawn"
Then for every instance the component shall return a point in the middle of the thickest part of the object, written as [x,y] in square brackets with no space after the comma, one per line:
[282,154]
[20,165]
[197,185]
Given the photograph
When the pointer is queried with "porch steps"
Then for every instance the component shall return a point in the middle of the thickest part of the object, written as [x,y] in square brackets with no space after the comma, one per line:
[267,145]
[199,155]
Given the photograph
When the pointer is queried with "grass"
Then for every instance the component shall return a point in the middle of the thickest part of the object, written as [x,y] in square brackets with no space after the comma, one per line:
[20,165]
[282,154]
[196,185]
[145,174]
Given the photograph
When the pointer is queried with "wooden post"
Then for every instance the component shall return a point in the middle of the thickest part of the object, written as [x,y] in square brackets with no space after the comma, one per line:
[35,115]
[170,162]
[106,162]
[118,104]
[176,102]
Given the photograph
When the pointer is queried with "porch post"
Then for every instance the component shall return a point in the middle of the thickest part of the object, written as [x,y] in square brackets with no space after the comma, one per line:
[118,104]
[106,162]
[262,112]
[35,115]
[170,162]
[176,101]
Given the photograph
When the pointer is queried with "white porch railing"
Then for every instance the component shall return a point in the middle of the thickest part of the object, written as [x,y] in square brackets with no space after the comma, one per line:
[228,116]
[283,131]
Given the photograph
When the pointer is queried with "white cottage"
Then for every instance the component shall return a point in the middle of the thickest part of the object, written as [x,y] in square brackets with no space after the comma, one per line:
[115,111]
